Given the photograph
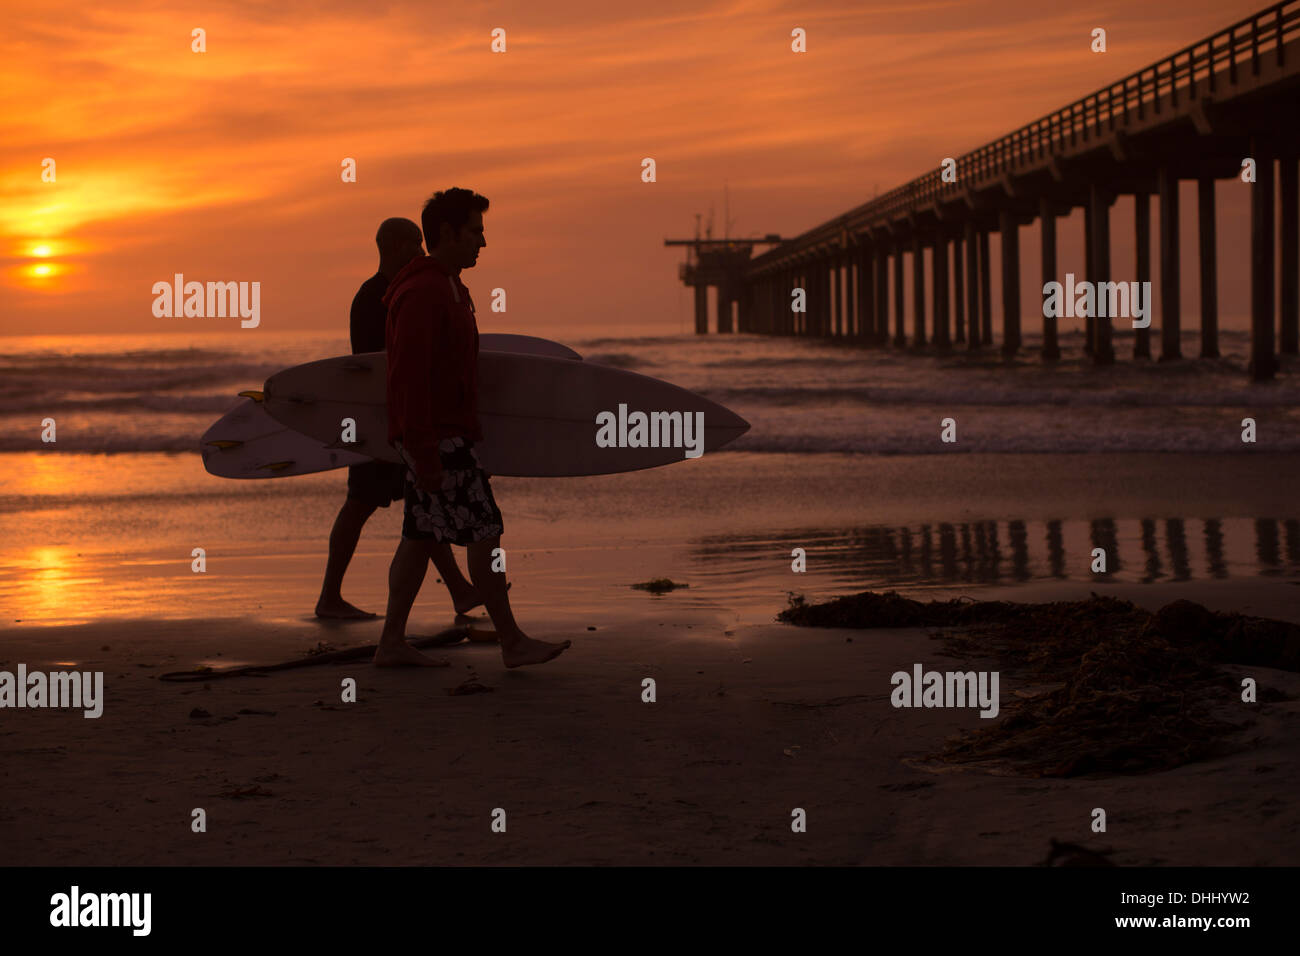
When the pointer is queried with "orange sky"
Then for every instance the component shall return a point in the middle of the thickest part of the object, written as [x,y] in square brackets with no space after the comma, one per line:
[225,165]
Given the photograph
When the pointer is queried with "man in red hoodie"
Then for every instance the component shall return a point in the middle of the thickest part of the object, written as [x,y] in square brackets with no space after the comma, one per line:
[432,342]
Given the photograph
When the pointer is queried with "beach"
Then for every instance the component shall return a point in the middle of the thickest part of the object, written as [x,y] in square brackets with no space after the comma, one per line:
[752,719]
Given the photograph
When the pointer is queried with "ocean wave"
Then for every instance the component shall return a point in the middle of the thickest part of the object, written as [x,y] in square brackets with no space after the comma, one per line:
[102,442]
[968,394]
[616,360]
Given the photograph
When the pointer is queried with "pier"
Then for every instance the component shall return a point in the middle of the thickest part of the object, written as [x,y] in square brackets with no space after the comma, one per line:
[1197,114]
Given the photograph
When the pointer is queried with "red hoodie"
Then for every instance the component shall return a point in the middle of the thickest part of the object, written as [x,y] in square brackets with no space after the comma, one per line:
[432,342]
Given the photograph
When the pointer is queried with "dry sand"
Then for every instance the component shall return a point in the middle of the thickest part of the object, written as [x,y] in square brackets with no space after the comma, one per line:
[750,722]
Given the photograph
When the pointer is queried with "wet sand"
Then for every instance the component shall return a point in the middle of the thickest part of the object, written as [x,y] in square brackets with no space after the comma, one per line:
[753,718]
[751,722]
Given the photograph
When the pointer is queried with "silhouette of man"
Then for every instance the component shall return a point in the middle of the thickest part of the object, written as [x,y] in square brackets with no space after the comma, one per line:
[433,422]
[376,484]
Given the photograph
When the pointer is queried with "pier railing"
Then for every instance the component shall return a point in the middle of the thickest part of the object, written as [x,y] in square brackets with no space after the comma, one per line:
[1243,46]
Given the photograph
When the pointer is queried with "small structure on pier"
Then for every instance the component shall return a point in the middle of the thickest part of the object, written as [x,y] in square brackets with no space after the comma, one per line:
[722,263]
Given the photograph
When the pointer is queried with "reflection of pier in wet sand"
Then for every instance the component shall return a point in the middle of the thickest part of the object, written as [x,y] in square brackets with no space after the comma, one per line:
[1144,550]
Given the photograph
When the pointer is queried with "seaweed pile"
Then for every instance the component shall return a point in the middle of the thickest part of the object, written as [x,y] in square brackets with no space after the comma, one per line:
[1137,688]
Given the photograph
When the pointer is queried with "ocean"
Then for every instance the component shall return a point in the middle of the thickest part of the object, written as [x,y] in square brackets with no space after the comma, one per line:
[127,394]
[843,461]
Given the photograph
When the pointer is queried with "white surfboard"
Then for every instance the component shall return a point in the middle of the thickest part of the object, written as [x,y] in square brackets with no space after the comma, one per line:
[539,415]
[247,442]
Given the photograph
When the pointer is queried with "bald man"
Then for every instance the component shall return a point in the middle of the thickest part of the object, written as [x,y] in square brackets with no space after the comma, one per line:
[377,484]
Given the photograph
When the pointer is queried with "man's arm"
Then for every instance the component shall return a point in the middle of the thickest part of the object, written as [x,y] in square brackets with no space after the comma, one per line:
[426,376]
[366,321]
[409,355]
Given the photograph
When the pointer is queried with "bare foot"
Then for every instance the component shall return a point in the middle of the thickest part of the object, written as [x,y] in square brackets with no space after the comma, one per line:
[528,651]
[339,609]
[401,654]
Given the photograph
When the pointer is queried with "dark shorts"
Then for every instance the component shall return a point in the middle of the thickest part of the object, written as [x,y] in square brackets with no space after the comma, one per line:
[463,511]
[377,483]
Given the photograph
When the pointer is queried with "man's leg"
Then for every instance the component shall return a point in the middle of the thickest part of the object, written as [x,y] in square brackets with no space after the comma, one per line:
[405,575]
[517,648]
[464,596]
[351,519]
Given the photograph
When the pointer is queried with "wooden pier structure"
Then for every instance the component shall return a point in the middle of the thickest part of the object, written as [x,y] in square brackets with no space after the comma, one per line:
[1196,114]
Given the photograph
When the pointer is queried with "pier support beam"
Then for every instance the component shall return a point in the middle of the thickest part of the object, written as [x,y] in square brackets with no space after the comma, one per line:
[1010,282]
[958,293]
[812,306]
[701,309]
[972,286]
[803,320]
[1142,249]
[725,295]
[1170,320]
[837,301]
[824,311]
[867,296]
[942,341]
[807,317]
[847,310]
[986,292]
[793,319]
[816,290]
[781,302]
[1263,361]
[1289,307]
[1209,268]
[900,335]
[1100,199]
[918,293]
[882,296]
[1051,345]
[1090,274]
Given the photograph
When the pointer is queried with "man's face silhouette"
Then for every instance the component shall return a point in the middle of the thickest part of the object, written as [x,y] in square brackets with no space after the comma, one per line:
[462,248]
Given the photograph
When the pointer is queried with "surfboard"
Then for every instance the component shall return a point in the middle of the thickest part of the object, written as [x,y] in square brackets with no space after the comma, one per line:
[247,442]
[539,415]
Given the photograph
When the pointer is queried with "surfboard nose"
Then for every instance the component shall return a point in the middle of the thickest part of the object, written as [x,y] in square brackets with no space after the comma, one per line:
[722,426]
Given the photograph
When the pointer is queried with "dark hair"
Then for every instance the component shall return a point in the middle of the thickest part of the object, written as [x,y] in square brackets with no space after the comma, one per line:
[452,206]
[394,233]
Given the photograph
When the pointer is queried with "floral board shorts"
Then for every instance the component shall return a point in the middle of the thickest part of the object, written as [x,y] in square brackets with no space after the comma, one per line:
[463,511]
